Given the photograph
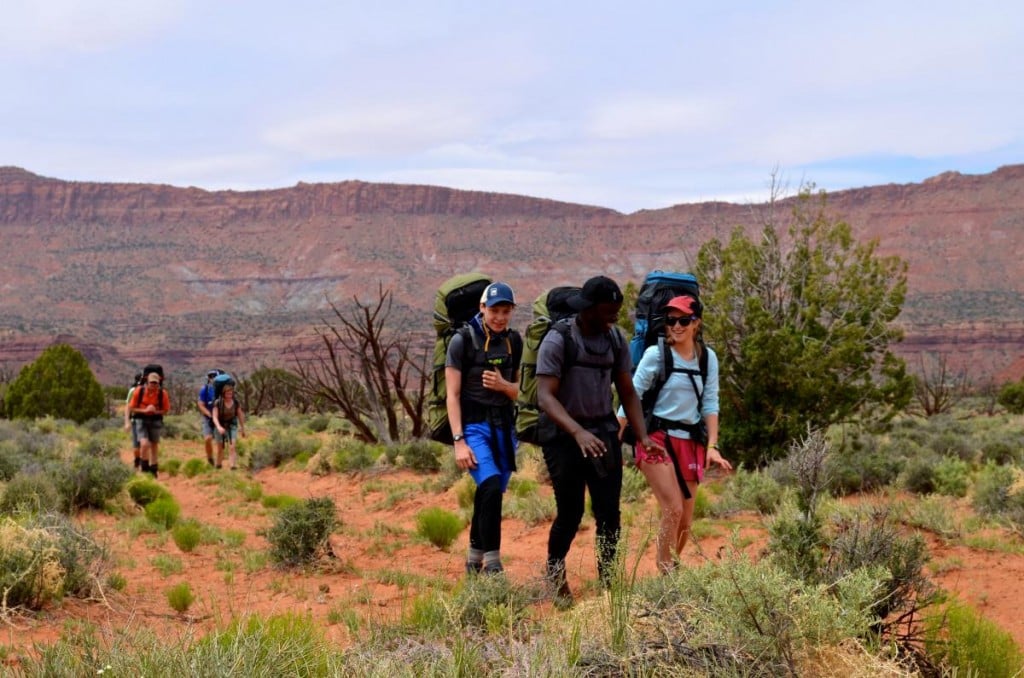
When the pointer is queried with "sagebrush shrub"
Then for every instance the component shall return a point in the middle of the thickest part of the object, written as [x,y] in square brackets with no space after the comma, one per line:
[281,447]
[30,570]
[300,531]
[952,477]
[992,490]
[919,475]
[421,455]
[30,493]
[85,481]
[351,454]
[438,526]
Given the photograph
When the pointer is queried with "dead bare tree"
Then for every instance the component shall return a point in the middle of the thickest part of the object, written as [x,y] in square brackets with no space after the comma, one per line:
[369,371]
[937,388]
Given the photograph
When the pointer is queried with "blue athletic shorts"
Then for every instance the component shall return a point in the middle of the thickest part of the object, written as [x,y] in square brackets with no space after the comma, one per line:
[480,440]
[208,428]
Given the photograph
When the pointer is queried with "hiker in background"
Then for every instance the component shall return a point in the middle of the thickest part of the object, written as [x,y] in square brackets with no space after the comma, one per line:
[581,446]
[205,404]
[229,422]
[129,422]
[482,381]
[676,466]
[150,403]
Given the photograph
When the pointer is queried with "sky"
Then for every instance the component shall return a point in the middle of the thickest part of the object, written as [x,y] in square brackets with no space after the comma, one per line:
[637,105]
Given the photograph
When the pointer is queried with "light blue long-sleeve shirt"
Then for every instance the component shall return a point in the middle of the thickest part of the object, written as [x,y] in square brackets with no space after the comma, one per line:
[677,400]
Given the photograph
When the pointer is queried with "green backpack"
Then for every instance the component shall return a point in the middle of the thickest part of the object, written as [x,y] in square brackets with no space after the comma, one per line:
[549,308]
[456,302]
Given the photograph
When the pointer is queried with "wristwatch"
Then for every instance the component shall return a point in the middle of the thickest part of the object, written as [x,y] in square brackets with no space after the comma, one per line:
[457,437]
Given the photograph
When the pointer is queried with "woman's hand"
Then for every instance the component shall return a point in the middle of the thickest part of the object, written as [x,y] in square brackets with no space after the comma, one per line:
[464,457]
[715,457]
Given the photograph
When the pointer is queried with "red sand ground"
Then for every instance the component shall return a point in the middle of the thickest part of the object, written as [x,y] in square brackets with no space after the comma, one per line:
[377,543]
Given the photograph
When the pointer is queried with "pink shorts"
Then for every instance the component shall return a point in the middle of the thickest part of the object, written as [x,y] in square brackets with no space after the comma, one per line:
[689,454]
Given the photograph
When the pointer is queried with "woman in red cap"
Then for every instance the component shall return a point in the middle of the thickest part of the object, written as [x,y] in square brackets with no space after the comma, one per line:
[684,422]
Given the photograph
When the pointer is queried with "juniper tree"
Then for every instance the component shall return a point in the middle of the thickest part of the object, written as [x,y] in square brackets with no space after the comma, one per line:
[802,318]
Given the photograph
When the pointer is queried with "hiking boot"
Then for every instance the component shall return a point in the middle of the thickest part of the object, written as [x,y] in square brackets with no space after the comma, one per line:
[493,568]
[209,460]
[473,568]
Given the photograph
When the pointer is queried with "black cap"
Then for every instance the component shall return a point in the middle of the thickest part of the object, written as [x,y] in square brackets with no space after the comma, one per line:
[598,290]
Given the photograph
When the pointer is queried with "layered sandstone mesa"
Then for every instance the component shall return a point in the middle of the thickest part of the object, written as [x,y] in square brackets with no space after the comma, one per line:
[198,276]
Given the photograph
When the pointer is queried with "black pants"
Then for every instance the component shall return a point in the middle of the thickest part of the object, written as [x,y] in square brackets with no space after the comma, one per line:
[485,526]
[570,475]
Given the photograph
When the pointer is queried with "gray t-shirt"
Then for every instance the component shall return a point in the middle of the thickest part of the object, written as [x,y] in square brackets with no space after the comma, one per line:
[585,389]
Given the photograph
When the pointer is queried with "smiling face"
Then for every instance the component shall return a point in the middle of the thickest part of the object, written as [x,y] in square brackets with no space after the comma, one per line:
[497,317]
[680,327]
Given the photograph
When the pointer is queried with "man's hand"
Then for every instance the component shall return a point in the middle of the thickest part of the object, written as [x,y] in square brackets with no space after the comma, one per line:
[464,457]
[590,445]
[494,381]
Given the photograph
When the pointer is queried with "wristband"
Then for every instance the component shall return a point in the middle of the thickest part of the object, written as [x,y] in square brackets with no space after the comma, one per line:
[457,437]
[713,446]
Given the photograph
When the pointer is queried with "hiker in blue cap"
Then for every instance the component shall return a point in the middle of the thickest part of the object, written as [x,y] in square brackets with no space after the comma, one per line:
[482,381]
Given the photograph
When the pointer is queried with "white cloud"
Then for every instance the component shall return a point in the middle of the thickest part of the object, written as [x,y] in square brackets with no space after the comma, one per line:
[41,28]
[377,129]
[638,116]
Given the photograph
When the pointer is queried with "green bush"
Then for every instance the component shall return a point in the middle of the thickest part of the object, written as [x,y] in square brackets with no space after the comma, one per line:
[421,455]
[194,467]
[58,383]
[145,489]
[355,455]
[992,490]
[438,526]
[465,492]
[278,501]
[30,493]
[964,641]
[864,469]
[318,423]
[187,534]
[44,557]
[281,447]
[301,531]
[172,467]
[755,490]
[1011,396]
[952,477]
[30,571]
[164,512]
[85,481]
[180,597]
[919,475]
[1002,449]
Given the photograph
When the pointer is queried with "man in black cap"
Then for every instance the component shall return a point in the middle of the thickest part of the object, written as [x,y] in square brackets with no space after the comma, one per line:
[576,367]
[205,403]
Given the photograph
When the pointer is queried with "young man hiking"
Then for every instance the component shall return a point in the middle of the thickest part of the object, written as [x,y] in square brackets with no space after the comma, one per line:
[205,404]
[482,381]
[576,368]
[149,405]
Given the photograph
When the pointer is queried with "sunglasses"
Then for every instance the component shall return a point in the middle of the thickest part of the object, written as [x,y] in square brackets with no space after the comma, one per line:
[684,322]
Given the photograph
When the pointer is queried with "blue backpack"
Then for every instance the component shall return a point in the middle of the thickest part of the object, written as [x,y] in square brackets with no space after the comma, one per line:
[219,382]
[658,288]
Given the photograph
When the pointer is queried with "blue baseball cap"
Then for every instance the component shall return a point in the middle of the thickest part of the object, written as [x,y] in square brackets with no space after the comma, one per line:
[497,293]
